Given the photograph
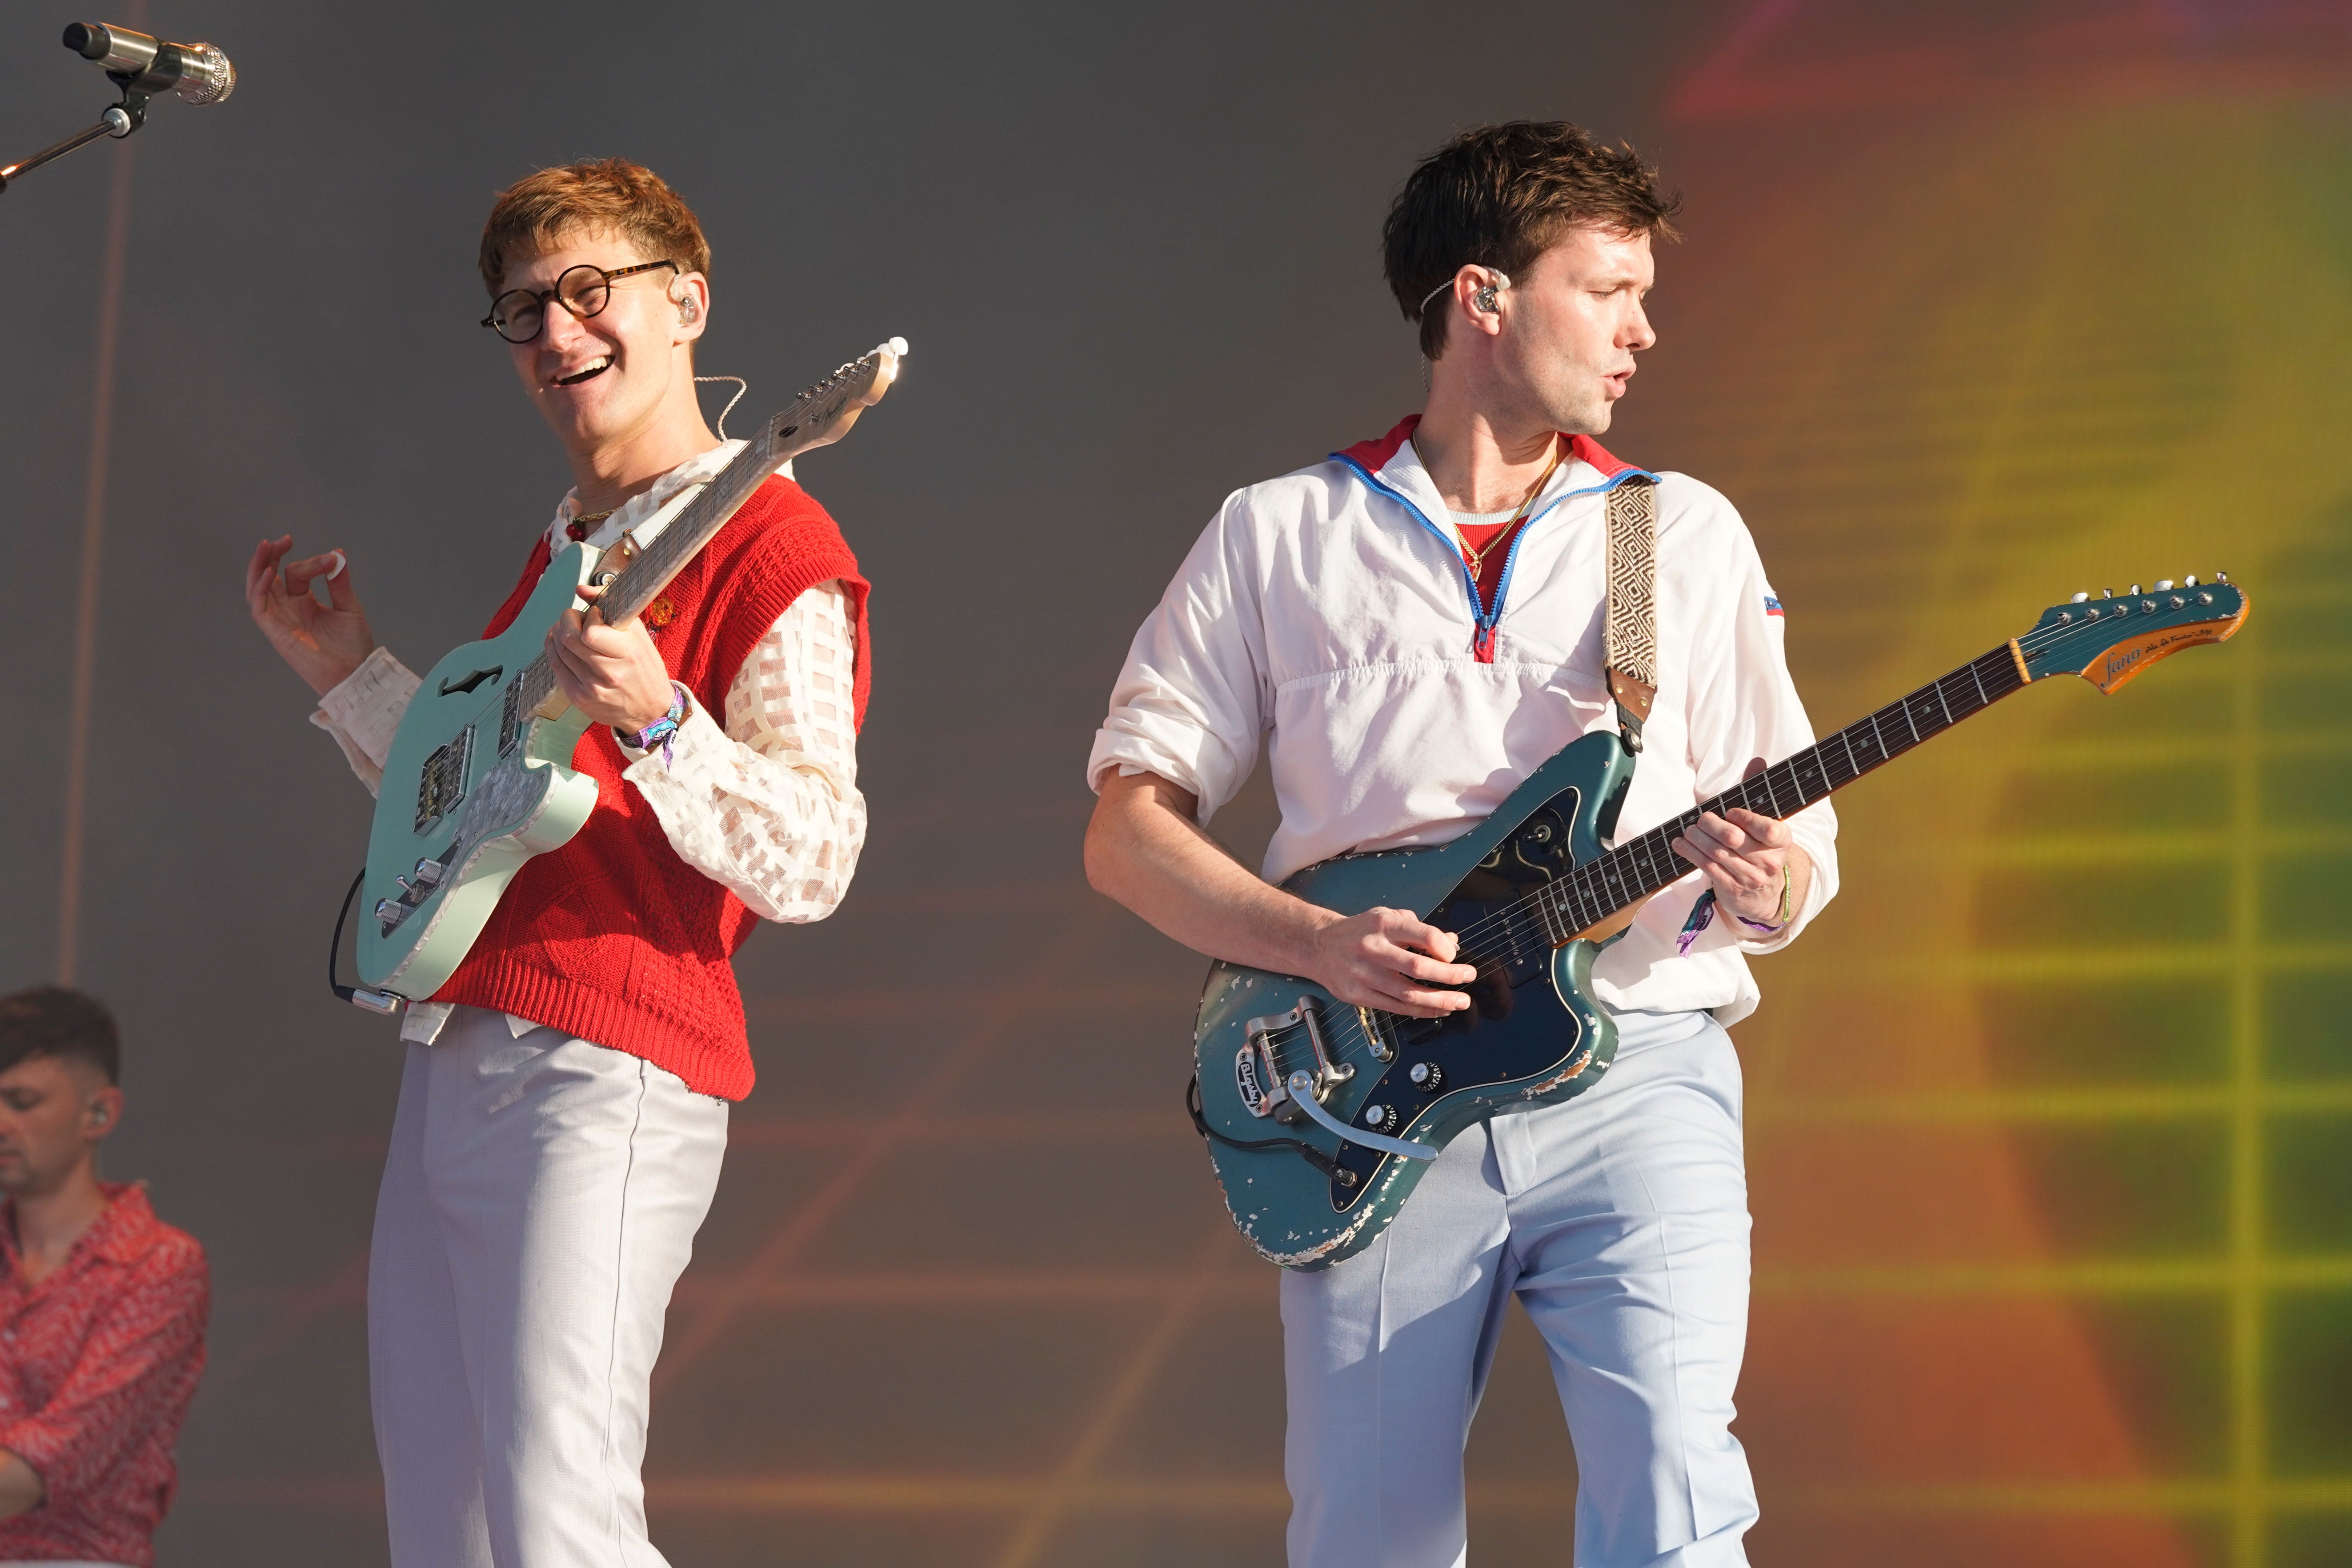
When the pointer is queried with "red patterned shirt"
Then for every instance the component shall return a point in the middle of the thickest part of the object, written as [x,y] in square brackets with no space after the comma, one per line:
[97,1365]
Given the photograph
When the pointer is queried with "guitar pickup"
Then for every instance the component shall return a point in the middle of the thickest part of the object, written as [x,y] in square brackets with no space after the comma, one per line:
[1259,1073]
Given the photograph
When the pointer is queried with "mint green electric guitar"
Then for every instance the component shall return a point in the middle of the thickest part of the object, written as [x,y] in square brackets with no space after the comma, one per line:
[1320,1116]
[479,779]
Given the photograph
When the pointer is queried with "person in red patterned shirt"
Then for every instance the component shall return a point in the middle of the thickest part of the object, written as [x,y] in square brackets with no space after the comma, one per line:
[103,1305]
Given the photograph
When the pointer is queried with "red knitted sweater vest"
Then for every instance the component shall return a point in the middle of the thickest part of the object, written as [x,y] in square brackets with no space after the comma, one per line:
[613,939]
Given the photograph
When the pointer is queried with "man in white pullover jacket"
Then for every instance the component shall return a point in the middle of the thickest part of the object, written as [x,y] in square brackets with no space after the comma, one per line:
[1413,627]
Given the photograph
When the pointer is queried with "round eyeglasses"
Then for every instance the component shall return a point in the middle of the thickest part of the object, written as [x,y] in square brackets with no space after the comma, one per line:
[520,315]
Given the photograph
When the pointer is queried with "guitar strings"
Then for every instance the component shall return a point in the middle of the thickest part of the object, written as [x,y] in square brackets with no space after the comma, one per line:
[1350,1042]
[2034,639]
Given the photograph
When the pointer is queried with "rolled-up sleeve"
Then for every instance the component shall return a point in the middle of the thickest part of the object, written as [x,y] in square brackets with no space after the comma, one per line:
[1193,701]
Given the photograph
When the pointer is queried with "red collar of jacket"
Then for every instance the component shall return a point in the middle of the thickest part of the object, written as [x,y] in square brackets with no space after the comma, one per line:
[1374,455]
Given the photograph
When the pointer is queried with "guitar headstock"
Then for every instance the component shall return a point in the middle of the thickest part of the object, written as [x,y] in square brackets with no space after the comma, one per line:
[824,414]
[2110,639]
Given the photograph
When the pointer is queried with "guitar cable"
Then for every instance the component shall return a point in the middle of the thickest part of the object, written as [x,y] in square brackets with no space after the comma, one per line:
[380,1002]
[1308,1152]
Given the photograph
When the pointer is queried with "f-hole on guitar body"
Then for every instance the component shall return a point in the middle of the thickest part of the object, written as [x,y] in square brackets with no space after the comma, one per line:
[479,779]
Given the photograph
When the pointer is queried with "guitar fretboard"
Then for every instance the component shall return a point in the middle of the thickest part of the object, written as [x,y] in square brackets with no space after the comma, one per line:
[696,525]
[801,425]
[1641,866]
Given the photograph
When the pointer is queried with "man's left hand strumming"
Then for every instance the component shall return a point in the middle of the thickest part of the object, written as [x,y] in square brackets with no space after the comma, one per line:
[1758,871]
[613,675]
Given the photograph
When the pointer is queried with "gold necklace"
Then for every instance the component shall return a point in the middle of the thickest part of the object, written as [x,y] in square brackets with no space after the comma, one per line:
[1477,557]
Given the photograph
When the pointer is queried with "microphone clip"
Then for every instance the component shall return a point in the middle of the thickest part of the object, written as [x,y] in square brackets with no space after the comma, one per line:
[140,67]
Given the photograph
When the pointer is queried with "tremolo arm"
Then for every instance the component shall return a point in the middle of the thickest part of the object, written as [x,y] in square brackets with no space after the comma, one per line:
[1266,1088]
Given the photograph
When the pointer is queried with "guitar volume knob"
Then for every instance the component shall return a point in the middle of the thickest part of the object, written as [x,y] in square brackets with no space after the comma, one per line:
[1425,1075]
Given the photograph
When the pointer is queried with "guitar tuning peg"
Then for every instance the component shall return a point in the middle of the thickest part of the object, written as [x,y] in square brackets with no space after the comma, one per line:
[2189,581]
[2134,587]
[2221,577]
[2106,594]
[2080,596]
[2164,585]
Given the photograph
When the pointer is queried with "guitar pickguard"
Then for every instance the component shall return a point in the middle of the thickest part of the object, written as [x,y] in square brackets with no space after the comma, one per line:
[1531,1034]
[475,785]
[1516,1027]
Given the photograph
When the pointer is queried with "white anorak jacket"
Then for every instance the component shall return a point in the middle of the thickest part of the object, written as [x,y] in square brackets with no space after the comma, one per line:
[1329,613]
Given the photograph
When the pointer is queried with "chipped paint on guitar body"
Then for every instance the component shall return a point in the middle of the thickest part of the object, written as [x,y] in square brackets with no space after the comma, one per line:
[1533,1035]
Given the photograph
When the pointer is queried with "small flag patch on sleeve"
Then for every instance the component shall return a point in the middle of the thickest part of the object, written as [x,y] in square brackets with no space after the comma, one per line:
[1772,607]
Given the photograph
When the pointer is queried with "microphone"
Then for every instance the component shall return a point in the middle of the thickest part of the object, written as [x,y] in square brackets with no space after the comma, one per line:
[195,73]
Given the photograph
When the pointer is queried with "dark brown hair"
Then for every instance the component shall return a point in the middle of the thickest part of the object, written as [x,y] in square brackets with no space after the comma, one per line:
[52,1020]
[1500,196]
[613,193]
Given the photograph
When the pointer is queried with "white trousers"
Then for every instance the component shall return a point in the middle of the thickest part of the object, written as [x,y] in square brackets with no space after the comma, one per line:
[1619,1219]
[540,1202]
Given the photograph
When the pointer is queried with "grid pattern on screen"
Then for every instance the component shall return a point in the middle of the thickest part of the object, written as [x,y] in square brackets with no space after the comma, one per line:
[985,1307]
[2136,1023]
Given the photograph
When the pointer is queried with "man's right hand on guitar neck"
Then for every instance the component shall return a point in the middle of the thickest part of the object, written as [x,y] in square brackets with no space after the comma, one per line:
[323,644]
[1147,849]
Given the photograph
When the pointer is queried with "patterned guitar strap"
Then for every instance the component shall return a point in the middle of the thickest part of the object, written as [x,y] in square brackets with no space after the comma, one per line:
[1633,624]
[1634,638]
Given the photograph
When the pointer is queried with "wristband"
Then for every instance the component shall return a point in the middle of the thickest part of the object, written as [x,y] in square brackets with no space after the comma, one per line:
[1769,926]
[663,730]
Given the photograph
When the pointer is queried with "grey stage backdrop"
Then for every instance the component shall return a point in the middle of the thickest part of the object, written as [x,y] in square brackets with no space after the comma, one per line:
[1134,250]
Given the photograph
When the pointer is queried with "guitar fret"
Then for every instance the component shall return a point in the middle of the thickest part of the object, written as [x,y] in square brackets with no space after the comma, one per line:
[1645,850]
[697,522]
[1634,870]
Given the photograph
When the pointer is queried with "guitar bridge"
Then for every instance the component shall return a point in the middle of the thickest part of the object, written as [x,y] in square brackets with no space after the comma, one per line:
[441,784]
[1259,1073]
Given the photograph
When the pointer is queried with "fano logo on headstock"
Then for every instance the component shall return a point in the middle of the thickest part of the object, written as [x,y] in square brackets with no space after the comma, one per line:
[2183,616]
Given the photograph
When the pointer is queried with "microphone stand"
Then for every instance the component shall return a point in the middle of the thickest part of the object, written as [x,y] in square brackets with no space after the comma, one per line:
[117,122]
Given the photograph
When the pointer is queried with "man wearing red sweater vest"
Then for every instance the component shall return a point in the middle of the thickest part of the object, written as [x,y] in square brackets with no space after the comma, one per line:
[564,1108]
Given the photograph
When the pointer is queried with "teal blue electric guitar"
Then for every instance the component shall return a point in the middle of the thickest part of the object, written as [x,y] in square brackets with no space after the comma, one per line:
[1320,1116]
[479,780]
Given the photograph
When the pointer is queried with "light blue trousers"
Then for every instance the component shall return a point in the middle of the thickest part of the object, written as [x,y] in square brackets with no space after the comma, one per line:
[1619,1219]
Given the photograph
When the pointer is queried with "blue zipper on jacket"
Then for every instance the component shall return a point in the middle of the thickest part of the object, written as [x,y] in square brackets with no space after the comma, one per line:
[1482,643]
